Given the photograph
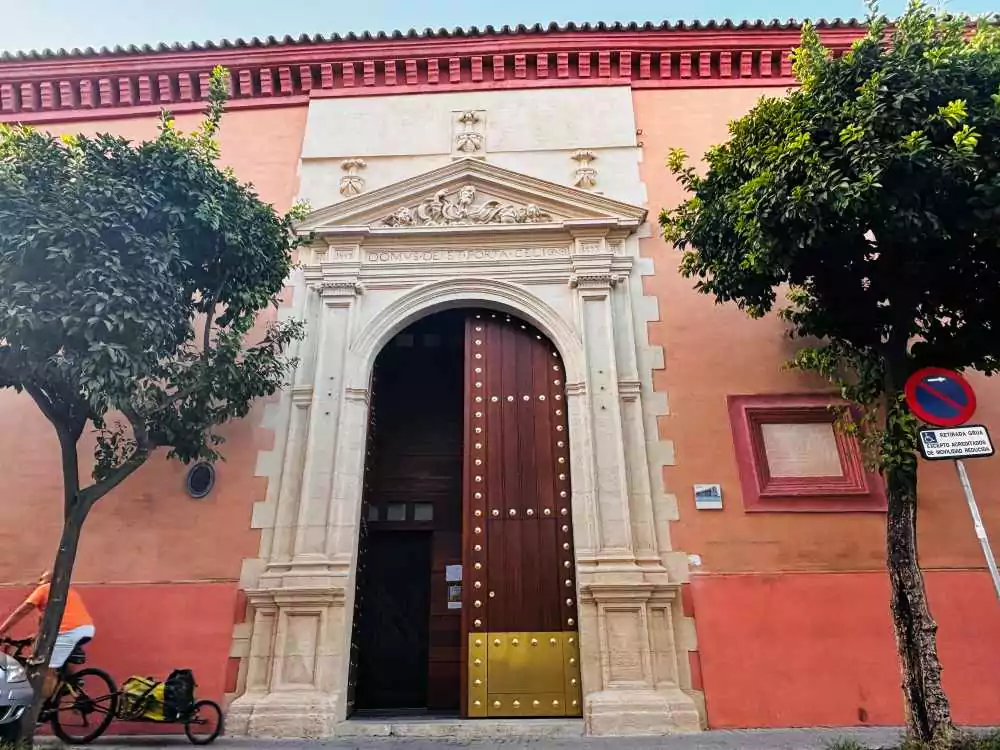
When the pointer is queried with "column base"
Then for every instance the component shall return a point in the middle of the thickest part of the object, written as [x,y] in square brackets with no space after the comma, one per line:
[620,713]
[284,715]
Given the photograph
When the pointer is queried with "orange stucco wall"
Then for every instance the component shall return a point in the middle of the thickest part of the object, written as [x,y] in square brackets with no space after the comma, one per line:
[816,649]
[152,629]
[169,564]
[778,646]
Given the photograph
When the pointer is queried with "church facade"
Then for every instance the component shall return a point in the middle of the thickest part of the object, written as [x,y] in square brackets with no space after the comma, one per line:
[522,469]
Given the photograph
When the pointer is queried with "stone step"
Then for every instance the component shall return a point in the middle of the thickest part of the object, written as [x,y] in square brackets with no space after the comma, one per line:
[459,729]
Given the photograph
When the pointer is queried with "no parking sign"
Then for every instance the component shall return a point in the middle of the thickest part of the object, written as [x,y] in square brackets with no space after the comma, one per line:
[940,397]
[945,399]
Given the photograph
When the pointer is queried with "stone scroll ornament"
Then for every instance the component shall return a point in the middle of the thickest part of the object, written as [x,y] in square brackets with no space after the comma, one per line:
[442,210]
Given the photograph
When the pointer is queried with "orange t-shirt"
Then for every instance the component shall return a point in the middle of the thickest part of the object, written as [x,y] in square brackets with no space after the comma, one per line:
[74,616]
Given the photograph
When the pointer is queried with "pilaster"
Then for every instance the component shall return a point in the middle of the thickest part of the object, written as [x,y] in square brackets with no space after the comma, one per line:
[292,680]
[595,282]
[321,441]
[634,689]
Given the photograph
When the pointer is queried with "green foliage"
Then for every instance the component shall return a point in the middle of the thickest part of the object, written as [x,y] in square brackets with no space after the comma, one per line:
[845,744]
[870,195]
[131,277]
[961,741]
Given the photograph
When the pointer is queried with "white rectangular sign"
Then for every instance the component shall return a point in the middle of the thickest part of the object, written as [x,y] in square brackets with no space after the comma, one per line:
[967,441]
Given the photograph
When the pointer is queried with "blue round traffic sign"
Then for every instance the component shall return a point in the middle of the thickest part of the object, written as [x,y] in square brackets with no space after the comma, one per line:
[940,397]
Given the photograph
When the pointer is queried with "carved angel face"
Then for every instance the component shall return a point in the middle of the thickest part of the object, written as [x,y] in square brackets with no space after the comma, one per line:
[466,195]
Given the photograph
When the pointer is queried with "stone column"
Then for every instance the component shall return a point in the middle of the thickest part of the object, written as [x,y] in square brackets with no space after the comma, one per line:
[321,441]
[348,481]
[634,431]
[277,551]
[610,491]
[296,653]
[628,654]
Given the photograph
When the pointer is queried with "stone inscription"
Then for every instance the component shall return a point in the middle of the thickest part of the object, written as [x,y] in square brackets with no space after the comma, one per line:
[464,255]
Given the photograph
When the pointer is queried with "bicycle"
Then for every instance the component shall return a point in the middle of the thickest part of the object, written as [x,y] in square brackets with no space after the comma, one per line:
[79,696]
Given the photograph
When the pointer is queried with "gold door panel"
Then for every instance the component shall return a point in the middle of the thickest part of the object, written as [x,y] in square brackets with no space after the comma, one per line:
[524,674]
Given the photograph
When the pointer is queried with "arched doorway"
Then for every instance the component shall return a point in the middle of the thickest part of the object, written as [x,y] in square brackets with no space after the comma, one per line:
[466,588]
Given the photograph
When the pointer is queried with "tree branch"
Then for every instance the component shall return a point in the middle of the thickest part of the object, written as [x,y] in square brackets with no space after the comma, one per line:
[90,495]
[44,404]
[139,431]
[143,447]
[210,314]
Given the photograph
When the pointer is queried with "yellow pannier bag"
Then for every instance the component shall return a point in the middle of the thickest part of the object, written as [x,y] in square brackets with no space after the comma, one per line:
[143,696]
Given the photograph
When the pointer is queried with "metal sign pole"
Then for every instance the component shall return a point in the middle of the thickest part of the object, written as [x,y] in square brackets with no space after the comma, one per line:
[977,523]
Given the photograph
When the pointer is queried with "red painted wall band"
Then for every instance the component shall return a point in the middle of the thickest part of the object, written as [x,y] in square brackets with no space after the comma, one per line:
[34,90]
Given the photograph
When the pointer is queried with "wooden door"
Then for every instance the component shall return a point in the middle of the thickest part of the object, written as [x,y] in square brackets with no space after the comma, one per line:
[392,669]
[519,602]
[407,637]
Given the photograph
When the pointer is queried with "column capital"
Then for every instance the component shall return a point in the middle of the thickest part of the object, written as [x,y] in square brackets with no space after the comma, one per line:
[598,280]
[330,289]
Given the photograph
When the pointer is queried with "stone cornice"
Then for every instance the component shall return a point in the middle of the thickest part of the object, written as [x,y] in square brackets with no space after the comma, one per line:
[53,88]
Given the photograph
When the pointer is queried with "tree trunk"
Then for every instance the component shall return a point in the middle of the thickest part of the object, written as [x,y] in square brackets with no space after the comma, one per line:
[75,513]
[928,714]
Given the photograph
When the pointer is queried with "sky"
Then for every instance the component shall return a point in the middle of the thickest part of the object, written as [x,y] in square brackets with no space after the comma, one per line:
[40,24]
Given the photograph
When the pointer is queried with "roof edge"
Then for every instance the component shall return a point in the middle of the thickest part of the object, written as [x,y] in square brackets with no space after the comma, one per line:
[50,89]
[288,40]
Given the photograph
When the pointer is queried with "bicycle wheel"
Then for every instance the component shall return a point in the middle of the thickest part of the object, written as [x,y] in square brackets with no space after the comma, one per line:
[84,706]
[204,723]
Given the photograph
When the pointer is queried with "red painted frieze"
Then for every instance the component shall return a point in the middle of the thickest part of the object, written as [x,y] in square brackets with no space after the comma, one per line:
[39,87]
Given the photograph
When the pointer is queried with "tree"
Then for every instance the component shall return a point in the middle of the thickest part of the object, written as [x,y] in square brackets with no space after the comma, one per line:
[131,279]
[869,195]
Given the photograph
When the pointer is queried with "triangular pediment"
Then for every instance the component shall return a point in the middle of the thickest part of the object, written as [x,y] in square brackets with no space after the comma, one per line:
[466,194]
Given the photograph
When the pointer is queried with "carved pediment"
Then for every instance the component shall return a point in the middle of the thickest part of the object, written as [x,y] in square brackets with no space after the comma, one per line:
[469,194]
[463,206]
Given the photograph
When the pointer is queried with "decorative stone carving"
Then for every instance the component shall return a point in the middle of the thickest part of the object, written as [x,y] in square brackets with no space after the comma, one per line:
[633,636]
[597,280]
[352,183]
[469,139]
[442,210]
[585,176]
[337,287]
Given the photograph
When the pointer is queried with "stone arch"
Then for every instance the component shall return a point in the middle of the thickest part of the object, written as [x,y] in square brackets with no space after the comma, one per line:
[441,295]
[420,302]
[463,292]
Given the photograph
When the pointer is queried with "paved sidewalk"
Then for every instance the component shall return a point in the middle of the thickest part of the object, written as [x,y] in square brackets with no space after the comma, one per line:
[785,739]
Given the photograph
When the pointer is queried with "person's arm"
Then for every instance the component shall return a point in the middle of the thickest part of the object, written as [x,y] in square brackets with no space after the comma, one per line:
[17,615]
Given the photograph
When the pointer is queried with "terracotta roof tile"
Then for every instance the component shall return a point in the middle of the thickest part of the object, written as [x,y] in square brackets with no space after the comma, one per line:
[442,33]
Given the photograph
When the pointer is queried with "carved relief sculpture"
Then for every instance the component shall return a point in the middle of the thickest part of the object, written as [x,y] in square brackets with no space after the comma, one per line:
[469,138]
[442,210]
[352,183]
[585,176]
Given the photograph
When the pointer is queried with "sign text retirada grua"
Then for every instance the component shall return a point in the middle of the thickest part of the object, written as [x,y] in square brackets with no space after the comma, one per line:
[967,441]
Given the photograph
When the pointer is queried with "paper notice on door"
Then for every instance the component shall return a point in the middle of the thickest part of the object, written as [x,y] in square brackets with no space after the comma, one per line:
[455,597]
[452,573]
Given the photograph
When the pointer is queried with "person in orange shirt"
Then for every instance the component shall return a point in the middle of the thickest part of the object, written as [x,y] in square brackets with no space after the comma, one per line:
[75,627]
